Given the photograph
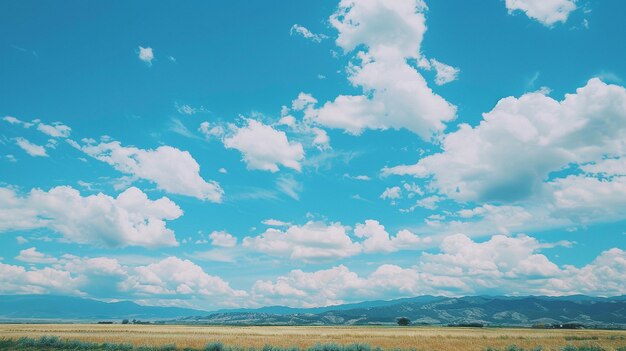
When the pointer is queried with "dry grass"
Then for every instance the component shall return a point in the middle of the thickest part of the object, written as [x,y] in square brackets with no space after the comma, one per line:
[419,338]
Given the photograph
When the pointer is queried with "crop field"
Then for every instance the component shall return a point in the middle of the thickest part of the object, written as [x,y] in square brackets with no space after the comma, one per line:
[387,338]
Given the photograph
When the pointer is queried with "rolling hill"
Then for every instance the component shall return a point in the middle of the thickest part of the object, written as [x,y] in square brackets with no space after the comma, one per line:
[436,310]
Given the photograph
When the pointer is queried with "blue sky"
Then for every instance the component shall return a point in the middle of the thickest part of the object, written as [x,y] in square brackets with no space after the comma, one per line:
[309,153]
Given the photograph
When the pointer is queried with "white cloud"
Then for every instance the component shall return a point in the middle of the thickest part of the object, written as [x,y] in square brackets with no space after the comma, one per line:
[30,148]
[429,202]
[321,288]
[129,219]
[444,73]
[222,239]
[357,177]
[391,193]
[607,167]
[146,55]
[33,256]
[395,95]
[13,120]
[297,29]
[211,131]
[18,280]
[288,185]
[264,147]
[275,223]
[547,12]
[498,258]
[320,138]
[377,239]
[303,101]
[173,276]
[186,110]
[171,169]
[55,130]
[313,241]
[170,281]
[543,134]
[501,265]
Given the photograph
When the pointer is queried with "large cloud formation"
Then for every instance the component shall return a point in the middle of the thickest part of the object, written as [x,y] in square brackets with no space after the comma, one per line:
[510,155]
[170,280]
[171,169]
[313,241]
[395,95]
[500,265]
[533,163]
[131,219]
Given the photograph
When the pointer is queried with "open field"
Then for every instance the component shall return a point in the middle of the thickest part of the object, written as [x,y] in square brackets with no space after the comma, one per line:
[418,338]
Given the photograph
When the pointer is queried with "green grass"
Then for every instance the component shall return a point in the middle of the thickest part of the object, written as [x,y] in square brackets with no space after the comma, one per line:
[54,343]
[565,348]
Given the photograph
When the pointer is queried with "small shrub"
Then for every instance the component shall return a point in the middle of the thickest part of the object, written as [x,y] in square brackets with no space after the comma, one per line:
[582,348]
[325,347]
[214,346]
[358,347]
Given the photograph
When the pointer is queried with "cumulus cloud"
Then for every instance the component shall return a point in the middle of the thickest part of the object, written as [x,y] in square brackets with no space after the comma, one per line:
[545,136]
[501,265]
[31,255]
[19,280]
[171,169]
[170,281]
[547,12]
[377,239]
[222,239]
[30,148]
[174,276]
[313,241]
[263,147]
[146,55]
[129,219]
[395,95]
[297,29]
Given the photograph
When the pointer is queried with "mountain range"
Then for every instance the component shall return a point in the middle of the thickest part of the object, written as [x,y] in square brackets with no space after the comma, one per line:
[436,310]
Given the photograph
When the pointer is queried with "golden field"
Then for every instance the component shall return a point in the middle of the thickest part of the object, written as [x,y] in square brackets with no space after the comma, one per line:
[418,338]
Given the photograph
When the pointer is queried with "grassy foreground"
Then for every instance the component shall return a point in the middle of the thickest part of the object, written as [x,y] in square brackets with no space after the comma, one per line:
[213,338]
[51,343]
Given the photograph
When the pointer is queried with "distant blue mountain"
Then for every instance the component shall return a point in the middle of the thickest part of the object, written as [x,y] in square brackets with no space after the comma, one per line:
[437,310]
[283,310]
[76,308]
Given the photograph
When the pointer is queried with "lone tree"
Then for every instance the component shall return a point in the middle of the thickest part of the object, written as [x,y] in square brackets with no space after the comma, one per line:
[403,321]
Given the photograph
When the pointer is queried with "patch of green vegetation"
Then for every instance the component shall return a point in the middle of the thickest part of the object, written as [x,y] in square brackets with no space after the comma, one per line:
[54,343]
[570,338]
[565,348]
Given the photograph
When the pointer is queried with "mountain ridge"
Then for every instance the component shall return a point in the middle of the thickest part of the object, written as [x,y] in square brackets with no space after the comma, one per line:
[437,310]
